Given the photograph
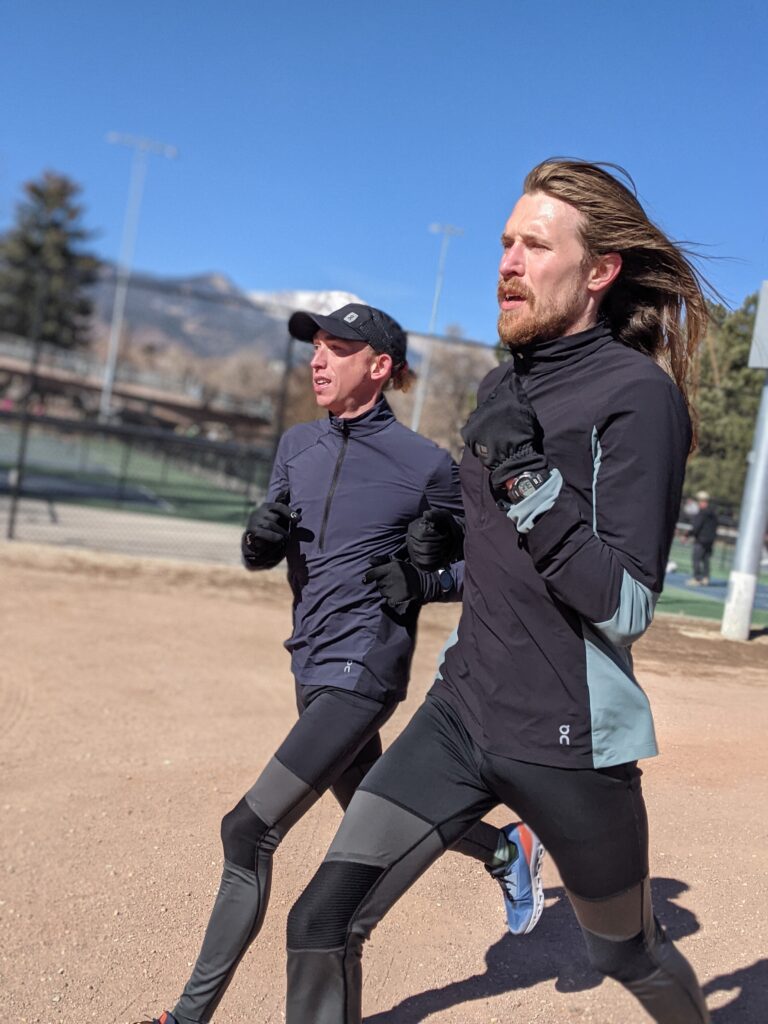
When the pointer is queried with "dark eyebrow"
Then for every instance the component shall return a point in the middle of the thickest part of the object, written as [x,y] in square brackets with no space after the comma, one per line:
[527,236]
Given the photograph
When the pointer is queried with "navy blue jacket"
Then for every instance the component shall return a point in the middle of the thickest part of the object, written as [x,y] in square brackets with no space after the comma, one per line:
[557,589]
[358,483]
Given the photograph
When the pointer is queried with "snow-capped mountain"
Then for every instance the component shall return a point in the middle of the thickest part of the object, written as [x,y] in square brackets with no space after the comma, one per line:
[206,314]
[284,303]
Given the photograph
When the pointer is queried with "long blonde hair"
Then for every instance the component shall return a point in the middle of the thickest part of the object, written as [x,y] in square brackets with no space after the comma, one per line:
[657,304]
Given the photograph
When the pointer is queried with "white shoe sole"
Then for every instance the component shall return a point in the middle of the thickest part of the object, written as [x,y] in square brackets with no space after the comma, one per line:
[537,887]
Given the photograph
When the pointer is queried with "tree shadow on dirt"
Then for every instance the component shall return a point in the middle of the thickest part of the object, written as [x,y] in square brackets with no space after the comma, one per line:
[556,951]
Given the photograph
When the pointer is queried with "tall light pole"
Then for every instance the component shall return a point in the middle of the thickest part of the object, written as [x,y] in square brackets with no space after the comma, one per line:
[447,231]
[753,518]
[141,150]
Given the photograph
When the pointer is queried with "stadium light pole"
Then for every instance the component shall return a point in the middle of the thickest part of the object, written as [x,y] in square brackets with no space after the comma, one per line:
[448,231]
[141,150]
[753,518]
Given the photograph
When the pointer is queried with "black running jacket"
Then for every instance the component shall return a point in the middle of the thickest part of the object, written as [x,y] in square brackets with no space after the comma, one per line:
[557,588]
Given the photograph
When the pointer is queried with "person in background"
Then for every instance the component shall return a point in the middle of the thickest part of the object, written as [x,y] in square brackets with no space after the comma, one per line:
[704,534]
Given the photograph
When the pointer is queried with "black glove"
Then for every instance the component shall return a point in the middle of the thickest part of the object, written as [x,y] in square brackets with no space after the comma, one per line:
[505,434]
[399,583]
[435,540]
[266,534]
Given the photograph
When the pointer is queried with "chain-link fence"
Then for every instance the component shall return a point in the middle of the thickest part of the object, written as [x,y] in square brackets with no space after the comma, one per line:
[129,489]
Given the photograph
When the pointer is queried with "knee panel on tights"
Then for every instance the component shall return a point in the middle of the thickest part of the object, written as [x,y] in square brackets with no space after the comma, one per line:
[321,916]
[625,960]
[241,833]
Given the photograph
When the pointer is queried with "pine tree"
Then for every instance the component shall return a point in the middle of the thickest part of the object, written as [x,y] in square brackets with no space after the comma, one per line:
[42,255]
[727,404]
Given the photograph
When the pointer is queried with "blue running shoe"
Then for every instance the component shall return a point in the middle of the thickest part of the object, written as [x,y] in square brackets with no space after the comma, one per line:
[520,881]
[164,1018]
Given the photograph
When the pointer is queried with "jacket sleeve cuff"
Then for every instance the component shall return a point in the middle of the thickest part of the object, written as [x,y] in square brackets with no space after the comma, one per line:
[633,615]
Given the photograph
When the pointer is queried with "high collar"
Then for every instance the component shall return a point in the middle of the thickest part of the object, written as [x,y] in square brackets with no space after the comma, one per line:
[370,422]
[545,356]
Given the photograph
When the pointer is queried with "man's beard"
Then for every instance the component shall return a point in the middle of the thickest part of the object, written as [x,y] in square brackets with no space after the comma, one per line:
[520,327]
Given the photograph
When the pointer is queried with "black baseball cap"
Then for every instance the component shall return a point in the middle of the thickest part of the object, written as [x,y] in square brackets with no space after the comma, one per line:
[355,322]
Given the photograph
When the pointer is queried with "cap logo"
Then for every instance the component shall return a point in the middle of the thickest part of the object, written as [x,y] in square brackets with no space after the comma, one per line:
[350,318]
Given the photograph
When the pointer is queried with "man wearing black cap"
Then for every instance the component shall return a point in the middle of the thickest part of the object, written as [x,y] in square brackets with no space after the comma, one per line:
[343,491]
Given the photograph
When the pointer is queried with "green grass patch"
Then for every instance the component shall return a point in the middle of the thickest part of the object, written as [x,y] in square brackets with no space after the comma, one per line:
[675,601]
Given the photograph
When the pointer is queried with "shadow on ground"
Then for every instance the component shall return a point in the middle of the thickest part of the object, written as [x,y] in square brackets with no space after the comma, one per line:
[556,952]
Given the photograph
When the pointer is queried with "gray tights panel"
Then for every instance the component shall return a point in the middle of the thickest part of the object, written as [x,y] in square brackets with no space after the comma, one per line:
[626,942]
[377,854]
[250,833]
[237,916]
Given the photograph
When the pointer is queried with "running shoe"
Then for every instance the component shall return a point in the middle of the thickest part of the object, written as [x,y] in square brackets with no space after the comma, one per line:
[520,881]
[164,1018]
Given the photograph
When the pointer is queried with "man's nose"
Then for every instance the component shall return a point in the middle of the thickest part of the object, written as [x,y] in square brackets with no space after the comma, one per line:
[318,359]
[512,263]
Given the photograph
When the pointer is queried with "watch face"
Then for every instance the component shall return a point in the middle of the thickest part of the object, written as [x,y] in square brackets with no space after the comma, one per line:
[526,484]
[445,578]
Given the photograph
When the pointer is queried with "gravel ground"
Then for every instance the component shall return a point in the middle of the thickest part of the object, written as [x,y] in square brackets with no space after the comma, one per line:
[138,700]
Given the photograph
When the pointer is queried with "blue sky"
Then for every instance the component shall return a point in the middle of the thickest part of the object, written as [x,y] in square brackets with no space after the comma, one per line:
[318,142]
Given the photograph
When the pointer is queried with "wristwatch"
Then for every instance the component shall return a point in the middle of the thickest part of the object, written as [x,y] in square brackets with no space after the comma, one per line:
[446,580]
[526,484]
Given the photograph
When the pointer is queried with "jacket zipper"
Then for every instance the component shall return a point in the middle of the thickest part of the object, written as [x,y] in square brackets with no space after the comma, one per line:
[334,481]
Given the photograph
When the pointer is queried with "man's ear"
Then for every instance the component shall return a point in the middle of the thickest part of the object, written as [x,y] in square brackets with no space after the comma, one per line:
[381,366]
[604,271]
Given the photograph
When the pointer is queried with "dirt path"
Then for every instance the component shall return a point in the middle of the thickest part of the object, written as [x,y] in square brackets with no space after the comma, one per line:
[139,699]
